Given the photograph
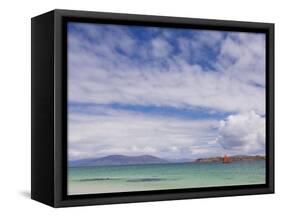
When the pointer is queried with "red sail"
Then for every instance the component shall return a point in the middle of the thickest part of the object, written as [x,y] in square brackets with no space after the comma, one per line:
[226,159]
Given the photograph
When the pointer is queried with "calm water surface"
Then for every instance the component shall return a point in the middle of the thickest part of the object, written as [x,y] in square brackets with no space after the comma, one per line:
[104,179]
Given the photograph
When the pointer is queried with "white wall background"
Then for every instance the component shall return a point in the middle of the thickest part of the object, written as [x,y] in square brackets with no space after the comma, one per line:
[15,106]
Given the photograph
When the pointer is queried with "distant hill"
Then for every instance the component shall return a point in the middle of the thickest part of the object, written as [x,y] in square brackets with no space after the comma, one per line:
[232,158]
[118,160]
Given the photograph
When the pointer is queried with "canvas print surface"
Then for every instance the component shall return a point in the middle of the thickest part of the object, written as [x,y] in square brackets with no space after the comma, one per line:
[154,108]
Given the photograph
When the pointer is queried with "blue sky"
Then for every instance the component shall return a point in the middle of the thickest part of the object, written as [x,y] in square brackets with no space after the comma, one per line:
[172,93]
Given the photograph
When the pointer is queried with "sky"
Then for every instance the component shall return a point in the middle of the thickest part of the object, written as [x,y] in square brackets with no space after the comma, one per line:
[169,92]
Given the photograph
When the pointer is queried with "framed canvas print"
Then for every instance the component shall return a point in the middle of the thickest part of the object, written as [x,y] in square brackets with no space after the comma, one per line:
[131,108]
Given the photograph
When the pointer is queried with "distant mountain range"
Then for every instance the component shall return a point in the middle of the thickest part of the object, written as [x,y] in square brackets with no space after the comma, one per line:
[118,160]
[149,159]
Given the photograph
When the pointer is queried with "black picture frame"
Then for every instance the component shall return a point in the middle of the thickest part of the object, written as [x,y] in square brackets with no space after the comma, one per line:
[49,108]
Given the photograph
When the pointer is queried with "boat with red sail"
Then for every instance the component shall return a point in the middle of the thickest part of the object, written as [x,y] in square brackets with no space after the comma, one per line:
[226,159]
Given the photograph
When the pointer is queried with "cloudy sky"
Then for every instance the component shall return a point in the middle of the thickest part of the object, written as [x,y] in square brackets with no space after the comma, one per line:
[167,92]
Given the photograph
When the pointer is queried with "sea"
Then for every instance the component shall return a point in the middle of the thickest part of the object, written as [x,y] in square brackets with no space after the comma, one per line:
[128,178]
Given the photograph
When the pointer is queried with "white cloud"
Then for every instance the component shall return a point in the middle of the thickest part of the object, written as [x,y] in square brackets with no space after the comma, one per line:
[99,74]
[107,131]
[109,65]
[190,87]
[242,56]
[160,48]
[243,133]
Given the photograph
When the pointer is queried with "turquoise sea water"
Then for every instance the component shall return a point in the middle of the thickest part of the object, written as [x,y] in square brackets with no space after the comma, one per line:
[104,179]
